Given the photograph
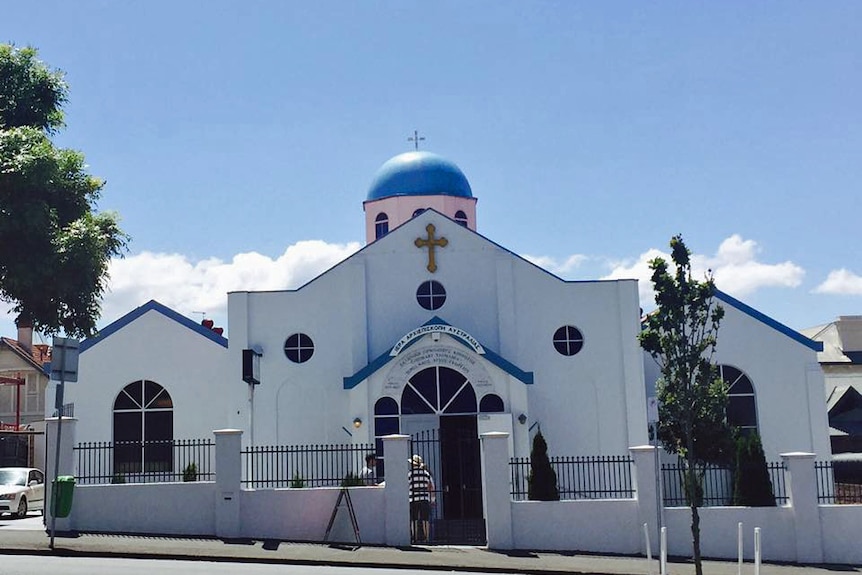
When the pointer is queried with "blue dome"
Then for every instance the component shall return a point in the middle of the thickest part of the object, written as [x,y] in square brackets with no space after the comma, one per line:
[419,174]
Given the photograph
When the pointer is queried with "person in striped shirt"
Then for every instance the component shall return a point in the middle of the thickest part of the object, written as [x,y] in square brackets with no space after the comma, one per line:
[421,498]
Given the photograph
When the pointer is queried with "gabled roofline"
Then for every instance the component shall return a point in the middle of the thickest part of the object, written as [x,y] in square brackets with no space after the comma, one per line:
[468,230]
[776,325]
[16,348]
[384,358]
[152,305]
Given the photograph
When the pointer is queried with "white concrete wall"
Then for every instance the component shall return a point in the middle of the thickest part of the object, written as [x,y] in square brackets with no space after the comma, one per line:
[841,533]
[594,526]
[152,508]
[719,527]
[303,514]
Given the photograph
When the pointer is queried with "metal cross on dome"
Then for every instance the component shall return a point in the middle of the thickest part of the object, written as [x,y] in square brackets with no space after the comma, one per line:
[416,139]
[431,242]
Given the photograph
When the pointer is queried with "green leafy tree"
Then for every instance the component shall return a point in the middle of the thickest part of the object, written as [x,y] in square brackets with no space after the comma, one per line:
[681,336]
[54,248]
[752,486]
[542,481]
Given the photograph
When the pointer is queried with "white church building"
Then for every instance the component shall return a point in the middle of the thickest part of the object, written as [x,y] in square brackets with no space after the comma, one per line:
[430,326]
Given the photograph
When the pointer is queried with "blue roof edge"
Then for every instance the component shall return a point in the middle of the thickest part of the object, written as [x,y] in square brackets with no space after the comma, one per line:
[384,358]
[776,325]
[151,305]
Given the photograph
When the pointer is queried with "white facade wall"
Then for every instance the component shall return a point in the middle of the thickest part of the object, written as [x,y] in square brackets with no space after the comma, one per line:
[189,366]
[787,380]
[359,309]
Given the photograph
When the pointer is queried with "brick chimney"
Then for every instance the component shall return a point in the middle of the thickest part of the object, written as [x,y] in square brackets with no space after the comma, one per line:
[25,333]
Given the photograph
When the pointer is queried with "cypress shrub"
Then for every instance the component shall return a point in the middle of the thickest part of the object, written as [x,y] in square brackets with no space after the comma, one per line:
[542,481]
[752,486]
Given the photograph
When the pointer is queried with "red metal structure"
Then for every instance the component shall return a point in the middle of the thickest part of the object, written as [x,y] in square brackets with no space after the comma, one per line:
[18,382]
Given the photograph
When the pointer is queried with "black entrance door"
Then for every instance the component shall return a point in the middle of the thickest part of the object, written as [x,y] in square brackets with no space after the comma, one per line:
[461,482]
[461,469]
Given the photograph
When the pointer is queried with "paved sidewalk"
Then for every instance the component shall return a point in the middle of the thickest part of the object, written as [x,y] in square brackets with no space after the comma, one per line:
[429,558]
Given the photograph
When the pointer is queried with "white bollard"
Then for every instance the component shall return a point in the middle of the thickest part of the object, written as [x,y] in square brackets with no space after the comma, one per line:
[663,551]
[648,550]
[757,551]
[739,547]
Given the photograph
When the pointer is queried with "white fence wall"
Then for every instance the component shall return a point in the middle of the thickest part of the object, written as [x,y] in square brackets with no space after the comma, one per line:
[158,508]
[596,526]
[303,514]
[842,533]
[801,531]
[719,528]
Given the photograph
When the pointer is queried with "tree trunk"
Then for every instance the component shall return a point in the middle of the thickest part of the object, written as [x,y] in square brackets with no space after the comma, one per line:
[695,532]
[693,498]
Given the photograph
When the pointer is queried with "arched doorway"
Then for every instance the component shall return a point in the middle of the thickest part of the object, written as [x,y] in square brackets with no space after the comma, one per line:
[438,411]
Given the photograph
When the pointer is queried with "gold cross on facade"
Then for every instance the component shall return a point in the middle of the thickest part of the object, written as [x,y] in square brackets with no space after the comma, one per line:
[431,242]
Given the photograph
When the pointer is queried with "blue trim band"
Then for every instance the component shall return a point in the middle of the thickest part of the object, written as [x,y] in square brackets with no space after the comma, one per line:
[492,357]
[152,305]
[778,326]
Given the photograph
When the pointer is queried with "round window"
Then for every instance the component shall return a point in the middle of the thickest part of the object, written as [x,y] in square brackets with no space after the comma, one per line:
[431,295]
[568,340]
[298,348]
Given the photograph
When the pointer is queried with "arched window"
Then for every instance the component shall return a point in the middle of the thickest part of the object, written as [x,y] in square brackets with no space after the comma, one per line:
[381,225]
[461,218]
[143,429]
[385,423]
[417,212]
[491,403]
[741,404]
[440,390]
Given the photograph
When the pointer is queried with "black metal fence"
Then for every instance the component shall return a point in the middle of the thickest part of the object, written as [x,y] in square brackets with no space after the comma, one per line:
[717,485]
[272,466]
[831,487]
[103,462]
[582,477]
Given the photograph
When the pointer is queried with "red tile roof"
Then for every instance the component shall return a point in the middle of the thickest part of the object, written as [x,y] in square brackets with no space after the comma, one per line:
[39,355]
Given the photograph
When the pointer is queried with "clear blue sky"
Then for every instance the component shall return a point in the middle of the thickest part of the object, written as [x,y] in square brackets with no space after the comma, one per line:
[232,133]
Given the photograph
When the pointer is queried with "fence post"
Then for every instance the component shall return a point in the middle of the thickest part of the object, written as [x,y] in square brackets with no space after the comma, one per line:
[66,466]
[396,451]
[496,496]
[646,490]
[802,492]
[228,468]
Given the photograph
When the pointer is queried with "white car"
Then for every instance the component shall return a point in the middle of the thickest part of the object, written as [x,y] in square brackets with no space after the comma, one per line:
[21,489]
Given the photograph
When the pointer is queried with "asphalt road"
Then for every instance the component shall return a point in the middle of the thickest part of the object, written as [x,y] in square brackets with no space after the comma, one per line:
[30,565]
[33,521]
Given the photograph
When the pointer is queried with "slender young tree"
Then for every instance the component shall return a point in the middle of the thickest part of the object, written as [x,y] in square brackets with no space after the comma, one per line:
[681,336]
[54,247]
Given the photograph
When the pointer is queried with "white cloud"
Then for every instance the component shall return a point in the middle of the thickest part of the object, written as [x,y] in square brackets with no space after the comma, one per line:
[187,286]
[841,282]
[734,265]
[738,273]
[561,269]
